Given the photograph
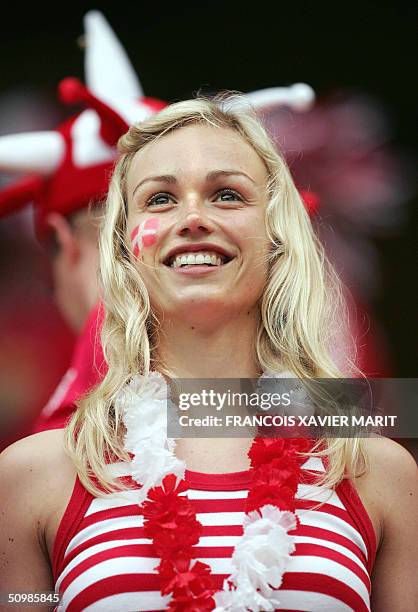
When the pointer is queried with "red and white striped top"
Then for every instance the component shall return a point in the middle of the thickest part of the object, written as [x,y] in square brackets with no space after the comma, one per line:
[102,562]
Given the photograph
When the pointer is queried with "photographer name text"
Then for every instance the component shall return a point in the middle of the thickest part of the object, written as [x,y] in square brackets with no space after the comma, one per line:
[275,420]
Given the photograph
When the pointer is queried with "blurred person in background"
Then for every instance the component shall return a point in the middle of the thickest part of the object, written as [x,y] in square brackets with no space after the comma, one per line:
[66,175]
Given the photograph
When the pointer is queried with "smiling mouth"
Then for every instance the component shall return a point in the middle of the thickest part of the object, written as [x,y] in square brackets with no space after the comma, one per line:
[199,258]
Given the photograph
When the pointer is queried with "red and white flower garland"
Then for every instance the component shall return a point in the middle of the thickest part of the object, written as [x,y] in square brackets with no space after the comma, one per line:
[260,558]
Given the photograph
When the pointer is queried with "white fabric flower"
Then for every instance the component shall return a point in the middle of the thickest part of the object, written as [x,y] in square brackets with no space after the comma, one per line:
[146,424]
[230,599]
[228,602]
[151,464]
[153,386]
[143,406]
[262,520]
[144,413]
[261,556]
[266,546]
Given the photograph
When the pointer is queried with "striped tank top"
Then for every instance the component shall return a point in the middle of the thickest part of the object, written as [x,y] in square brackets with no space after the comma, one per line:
[103,563]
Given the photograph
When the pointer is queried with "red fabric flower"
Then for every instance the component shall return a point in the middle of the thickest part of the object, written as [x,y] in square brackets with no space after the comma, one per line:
[180,537]
[175,573]
[164,502]
[202,603]
[260,496]
[167,490]
[275,482]
[168,512]
[191,586]
[170,520]
[279,473]
[264,450]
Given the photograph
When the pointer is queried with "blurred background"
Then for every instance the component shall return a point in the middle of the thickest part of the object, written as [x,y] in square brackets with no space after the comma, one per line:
[354,150]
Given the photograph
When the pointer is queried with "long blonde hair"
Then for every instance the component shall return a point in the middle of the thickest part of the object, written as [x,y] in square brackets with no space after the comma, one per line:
[301,306]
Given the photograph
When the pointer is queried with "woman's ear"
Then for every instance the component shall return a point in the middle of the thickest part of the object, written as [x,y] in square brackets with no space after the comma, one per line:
[65,237]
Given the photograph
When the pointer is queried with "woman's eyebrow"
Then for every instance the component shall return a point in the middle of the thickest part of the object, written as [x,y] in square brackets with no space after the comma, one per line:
[164,178]
[211,176]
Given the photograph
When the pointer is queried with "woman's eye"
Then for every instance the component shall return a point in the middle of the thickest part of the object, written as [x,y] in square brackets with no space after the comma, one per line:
[159,199]
[228,195]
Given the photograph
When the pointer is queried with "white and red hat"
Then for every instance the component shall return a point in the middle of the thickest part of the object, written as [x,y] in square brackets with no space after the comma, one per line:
[67,168]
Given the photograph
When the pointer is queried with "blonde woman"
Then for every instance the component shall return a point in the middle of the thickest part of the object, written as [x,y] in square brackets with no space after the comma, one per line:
[209,269]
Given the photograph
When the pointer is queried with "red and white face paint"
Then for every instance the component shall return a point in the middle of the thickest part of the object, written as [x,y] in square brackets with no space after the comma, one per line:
[144,235]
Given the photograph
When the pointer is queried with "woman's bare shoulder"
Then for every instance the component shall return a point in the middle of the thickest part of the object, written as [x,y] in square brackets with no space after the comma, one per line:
[36,479]
[389,460]
[34,452]
[389,488]
[34,467]
[389,484]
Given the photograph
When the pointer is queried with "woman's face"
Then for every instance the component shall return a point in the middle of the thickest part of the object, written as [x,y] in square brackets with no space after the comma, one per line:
[196,223]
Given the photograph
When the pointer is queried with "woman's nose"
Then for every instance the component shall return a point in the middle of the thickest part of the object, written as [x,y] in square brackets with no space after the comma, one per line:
[194,219]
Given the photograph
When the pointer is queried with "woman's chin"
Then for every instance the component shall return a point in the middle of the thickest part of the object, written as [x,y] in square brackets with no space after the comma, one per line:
[199,310]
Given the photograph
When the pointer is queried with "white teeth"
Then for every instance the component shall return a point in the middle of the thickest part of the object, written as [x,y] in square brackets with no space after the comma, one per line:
[198,259]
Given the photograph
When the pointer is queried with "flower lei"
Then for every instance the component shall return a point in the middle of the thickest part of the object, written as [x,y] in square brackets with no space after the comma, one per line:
[259,559]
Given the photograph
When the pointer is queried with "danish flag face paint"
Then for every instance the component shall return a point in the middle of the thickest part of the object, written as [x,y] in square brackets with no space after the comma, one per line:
[144,235]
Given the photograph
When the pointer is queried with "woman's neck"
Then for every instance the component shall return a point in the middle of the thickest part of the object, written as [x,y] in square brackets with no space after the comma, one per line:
[224,350]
